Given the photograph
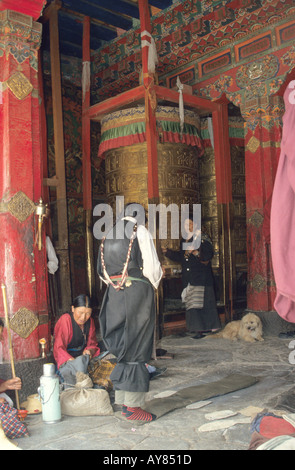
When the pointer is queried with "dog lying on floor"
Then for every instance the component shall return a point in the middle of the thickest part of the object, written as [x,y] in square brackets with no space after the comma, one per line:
[249,329]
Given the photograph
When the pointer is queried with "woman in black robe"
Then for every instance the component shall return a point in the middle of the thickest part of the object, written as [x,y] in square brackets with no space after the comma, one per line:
[198,281]
[127,316]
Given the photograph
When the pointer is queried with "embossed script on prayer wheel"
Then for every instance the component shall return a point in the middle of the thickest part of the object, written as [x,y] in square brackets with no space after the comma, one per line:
[124,148]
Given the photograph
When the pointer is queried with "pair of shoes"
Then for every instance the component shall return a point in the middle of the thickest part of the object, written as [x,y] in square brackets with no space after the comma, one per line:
[157,373]
[288,334]
[138,414]
[124,410]
[198,336]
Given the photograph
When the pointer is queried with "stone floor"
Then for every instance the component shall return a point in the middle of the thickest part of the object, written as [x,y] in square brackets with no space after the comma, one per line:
[195,362]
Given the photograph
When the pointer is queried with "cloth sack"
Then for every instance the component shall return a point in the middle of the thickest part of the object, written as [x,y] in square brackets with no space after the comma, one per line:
[13,428]
[100,374]
[279,443]
[68,371]
[83,400]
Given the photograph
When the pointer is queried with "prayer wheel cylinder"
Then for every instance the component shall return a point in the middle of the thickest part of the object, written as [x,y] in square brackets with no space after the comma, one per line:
[126,166]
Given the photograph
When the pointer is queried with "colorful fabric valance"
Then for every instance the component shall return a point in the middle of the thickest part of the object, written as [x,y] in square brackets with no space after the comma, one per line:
[127,127]
[236,132]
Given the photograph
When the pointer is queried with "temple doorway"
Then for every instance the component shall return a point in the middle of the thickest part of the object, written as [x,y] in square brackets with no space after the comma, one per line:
[225,225]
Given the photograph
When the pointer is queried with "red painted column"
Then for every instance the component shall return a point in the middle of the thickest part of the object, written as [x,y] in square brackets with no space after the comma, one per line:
[23,268]
[150,104]
[262,150]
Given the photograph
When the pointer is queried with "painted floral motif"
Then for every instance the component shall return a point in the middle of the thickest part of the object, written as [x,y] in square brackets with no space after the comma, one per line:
[259,70]
[275,85]
[289,57]
[215,89]
[267,117]
[19,40]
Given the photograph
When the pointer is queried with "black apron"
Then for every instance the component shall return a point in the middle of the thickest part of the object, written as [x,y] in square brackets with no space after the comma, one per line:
[79,340]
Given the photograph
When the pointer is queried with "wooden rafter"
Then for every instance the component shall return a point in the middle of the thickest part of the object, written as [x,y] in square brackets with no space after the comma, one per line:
[97,111]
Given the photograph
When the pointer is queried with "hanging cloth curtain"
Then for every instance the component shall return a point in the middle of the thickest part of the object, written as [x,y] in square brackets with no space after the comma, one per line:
[210,130]
[181,107]
[85,78]
[148,40]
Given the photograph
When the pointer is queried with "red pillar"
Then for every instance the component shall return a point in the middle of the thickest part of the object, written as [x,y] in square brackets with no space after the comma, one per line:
[23,268]
[150,104]
[262,150]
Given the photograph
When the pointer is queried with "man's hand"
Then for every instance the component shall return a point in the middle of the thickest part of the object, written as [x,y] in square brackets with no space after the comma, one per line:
[89,352]
[11,384]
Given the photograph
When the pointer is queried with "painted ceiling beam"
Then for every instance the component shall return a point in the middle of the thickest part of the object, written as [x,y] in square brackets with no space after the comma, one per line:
[97,111]
[120,7]
[75,15]
[161,4]
[73,26]
[93,11]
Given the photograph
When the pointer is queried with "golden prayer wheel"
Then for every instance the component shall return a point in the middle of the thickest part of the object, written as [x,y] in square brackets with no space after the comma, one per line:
[126,169]
[186,175]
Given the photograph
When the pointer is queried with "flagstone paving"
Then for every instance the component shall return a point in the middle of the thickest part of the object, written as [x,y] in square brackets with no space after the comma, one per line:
[195,362]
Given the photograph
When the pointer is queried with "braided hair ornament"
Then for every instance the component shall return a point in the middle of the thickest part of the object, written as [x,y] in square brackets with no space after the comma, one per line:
[120,284]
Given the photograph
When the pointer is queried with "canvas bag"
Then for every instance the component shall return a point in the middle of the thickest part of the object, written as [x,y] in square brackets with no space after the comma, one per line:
[83,400]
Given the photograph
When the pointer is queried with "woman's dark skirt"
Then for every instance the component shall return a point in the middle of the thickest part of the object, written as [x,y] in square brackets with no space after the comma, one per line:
[127,322]
[206,318]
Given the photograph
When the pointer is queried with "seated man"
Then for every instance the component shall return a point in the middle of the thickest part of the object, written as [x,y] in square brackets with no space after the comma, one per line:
[11,384]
